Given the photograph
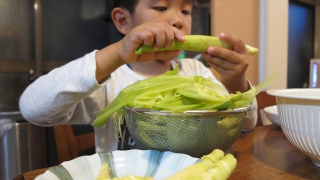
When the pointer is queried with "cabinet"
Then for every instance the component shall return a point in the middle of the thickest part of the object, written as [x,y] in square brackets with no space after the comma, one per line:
[240,18]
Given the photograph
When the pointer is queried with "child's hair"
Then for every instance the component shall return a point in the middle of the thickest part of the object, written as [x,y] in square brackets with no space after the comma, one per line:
[126,4]
[130,4]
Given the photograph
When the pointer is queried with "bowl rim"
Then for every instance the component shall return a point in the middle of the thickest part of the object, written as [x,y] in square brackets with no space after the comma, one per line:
[267,111]
[189,112]
[284,93]
[270,107]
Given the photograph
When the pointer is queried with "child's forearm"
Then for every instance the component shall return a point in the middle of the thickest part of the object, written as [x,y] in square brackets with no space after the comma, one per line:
[107,61]
[54,96]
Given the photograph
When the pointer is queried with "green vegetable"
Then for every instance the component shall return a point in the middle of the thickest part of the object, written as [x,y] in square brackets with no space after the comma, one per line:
[221,170]
[175,93]
[205,163]
[198,43]
[215,165]
[153,86]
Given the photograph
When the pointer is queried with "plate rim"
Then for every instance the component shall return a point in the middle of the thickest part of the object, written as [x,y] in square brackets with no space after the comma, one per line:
[52,171]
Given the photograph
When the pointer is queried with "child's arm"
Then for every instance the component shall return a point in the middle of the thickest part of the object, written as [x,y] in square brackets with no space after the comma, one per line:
[157,34]
[70,94]
[58,96]
[231,65]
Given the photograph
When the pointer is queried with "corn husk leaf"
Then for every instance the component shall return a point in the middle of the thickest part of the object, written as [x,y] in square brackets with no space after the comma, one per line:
[175,93]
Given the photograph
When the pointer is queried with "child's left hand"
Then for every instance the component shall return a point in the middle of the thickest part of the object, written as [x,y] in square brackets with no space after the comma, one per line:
[230,64]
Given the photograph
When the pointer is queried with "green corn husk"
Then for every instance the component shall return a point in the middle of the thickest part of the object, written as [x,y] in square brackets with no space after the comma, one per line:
[175,93]
[197,43]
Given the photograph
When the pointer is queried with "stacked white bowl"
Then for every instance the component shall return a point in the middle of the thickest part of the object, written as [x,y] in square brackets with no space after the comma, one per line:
[299,111]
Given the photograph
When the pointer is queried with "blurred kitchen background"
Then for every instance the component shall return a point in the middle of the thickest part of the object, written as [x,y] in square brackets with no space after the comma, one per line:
[37,36]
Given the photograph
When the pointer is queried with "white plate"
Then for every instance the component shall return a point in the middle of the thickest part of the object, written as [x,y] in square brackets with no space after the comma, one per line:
[156,164]
[272,114]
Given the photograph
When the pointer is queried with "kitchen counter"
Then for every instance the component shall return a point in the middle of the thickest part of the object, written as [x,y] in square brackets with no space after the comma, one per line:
[264,153]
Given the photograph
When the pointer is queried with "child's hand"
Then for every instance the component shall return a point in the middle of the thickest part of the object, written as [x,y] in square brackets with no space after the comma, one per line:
[231,65]
[156,34]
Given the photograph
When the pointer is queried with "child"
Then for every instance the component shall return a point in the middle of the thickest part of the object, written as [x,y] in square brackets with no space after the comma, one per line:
[77,91]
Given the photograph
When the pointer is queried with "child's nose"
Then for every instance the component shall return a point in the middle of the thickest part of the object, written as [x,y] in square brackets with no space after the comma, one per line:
[176,21]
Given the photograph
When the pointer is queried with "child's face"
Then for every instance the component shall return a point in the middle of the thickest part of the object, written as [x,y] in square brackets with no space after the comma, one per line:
[174,12]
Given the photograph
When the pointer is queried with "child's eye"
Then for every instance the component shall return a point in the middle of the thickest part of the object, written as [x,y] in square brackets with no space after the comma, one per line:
[186,12]
[160,8]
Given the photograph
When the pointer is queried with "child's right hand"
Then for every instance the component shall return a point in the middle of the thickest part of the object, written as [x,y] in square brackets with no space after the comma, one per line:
[156,34]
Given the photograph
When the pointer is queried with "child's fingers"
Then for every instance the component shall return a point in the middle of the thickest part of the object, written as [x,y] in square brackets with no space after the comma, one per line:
[225,54]
[173,33]
[147,38]
[164,34]
[218,63]
[237,44]
[154,34]
[156,55]
[178,35]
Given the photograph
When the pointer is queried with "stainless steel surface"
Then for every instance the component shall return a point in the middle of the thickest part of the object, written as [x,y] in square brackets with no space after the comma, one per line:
[26,66]
[16,44]
[22,146]
[190,112]
[193,134]
[38,36]
[14,115]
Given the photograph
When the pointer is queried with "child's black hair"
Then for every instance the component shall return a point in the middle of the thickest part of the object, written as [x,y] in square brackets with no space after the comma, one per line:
[131,4]
[126,4]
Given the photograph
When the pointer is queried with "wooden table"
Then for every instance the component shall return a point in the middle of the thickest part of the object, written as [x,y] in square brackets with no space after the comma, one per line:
[264,153]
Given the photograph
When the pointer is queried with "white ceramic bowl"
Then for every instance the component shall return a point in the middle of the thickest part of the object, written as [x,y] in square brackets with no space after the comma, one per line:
[299,111]
[156,164]
[272,114]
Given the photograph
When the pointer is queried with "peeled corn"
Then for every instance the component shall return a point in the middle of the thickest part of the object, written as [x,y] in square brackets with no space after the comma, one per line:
[103,173]
[202,166]
[221,170]
[197,43]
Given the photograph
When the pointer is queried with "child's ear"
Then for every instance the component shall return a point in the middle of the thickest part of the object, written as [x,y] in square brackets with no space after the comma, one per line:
[121,19]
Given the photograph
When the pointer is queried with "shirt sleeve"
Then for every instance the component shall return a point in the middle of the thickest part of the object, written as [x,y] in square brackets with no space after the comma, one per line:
[59,96]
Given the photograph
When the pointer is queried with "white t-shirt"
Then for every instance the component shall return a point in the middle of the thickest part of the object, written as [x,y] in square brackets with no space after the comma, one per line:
[70,94]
